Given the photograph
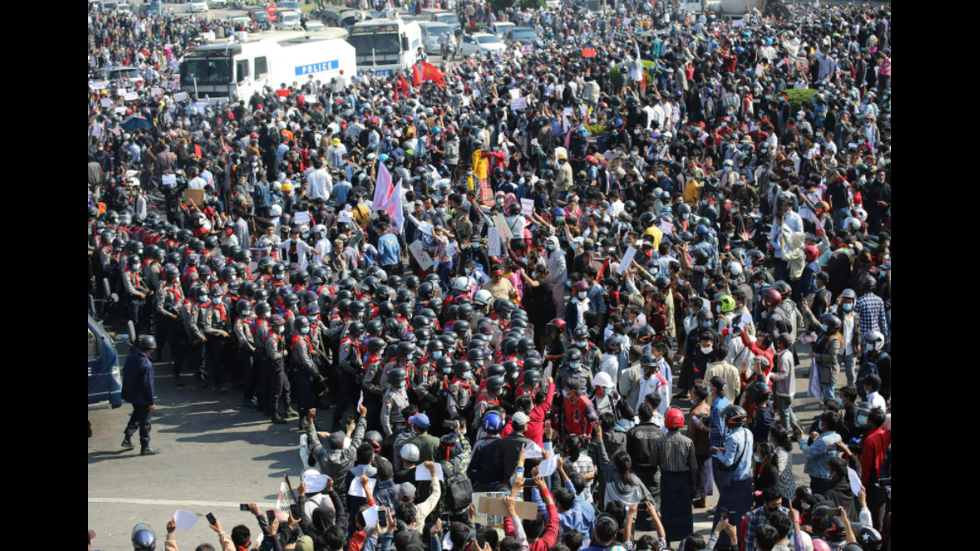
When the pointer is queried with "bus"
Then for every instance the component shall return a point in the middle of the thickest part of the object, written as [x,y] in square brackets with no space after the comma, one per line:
[385,46]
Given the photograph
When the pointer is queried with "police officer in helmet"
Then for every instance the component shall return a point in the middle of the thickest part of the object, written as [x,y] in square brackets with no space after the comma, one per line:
[137,389]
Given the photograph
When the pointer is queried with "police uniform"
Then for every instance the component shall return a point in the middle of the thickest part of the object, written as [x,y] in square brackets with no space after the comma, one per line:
[374,393]
[391,411]
[351,365]
[169,298]
[246,351]
[263,373]
[305,371]
[216,328]
[193,319]
[275,351]
[133,284]
[137,389]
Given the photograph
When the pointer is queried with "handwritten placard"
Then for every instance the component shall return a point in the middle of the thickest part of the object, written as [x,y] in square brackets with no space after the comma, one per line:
[518,104]
[493,242]
[627,260]
[501,223]
[527,207]
[421,256]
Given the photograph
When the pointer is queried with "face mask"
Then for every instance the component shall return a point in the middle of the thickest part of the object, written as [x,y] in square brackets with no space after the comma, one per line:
[401,384]
[574,246]
[281,329]
[581,344]
[565,392]
[514,375]
[706,350]
[500,201]
[728,169]
[305,330]
[799,117]
[568,284]
[582,295]
[823,327]
[680,282]
[685,216]
[447,370]
[575,365]
[718,309]
[847,307]
[551,246]
[756,458]
[437,354]
[279,276]
[441,210]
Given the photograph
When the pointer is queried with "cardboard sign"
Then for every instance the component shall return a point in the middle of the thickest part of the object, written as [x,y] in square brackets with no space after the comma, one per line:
[518,104]
[741,22]
[588,52]
[514,93]
[493,242]
[301,218]
[421,256]
[501,223]
[311,99]
[627,260]
[495,506]
[196,196]
[527,207]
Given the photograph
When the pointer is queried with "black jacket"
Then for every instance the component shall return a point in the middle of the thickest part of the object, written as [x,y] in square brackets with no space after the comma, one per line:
[507,452]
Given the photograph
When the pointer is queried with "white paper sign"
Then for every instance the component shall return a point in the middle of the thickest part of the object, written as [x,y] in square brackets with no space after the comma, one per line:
[370,515]
[97,84]
[313,99]
[180,96]
[356,489]
[283,501]
[666,227]
[168,180]
[527,207]
[422,473]
[105,102]
[421,256]
[627,260]
[526,48]
[548,466]
[131,96]
[119,110]
[501,223]
[514,93]
[185,521]
[121,91]
[518,104]
[425,228]
[493,242]
[741,22]
[156,91]
[301,218]
[361,401]
[97,129]
[533,451]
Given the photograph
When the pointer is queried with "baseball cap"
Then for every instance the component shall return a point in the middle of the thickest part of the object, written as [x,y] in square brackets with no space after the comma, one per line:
[336,440]
[304,543]
[873,381]
[406,490]
[573,384]
[520,418]
[420,420]
[718,383]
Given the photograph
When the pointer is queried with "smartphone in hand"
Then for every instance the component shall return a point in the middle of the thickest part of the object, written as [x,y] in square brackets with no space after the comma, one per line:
[270,515]
[210,517]
[382,518]
[243,507]
[481,538]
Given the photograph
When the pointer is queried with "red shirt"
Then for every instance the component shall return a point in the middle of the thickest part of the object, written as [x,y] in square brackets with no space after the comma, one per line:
[535,427]
[550,535]
[875,445]
[577,416]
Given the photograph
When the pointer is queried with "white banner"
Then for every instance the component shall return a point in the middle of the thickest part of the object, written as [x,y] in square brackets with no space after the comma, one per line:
[421,256]
[627,260]
[493,242]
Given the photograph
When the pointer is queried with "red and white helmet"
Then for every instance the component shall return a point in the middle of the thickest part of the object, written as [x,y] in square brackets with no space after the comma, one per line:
[674,418]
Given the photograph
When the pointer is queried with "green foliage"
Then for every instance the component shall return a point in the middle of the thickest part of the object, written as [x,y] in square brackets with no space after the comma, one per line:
[648,66]
[597,129]
[798,97]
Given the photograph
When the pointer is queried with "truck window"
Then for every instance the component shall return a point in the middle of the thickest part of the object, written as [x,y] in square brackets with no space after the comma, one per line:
[261,67]
[242,70]
[93,346]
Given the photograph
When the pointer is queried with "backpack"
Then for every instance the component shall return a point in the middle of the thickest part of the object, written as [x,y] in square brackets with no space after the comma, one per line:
[459,489]
[870,367]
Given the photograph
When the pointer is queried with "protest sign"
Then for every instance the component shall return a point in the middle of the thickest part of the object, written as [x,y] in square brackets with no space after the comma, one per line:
[624,264]
[421,256]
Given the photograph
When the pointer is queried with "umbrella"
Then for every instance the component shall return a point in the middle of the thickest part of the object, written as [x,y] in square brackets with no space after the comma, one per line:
[134,123]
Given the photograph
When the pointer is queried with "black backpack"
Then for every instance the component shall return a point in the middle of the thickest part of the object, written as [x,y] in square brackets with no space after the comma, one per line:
[870,367]
[459,489]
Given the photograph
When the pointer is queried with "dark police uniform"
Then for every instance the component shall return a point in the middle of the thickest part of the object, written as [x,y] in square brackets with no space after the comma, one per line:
[137,389]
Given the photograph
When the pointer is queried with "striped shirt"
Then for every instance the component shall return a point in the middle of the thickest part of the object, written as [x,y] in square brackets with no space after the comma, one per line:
[718,430]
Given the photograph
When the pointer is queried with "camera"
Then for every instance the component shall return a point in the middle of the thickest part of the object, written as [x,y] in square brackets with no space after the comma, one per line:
[450,424]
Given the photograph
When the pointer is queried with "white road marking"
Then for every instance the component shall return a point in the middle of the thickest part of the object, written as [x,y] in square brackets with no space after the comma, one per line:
[131,501]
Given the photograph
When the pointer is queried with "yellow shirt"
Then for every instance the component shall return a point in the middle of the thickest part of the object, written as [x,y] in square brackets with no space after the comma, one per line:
[479,165]
[692,192]
[362,214]
[655,234]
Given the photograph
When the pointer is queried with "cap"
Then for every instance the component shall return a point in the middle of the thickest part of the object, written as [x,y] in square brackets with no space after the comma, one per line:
[420,420]
[91,535]
[304,543]
[873,381]
[406,490]
[718,383]
[573,384]
[336,440]
[520,418]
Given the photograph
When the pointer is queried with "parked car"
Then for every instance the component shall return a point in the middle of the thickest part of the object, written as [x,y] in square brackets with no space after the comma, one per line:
[480,43]
[524,35]
[197,6]
[287,21]
[431,31]
[217,4]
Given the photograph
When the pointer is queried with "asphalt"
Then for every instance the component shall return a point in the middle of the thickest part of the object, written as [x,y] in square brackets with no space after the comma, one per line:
[217,455]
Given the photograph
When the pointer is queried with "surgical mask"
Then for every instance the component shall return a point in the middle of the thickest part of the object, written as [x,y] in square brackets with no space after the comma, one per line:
[728,169]
[514,375]
[437,354]
[685,216]
[468,271]
[706,350]
[756,458]
[401,384]
[581,344]
[281,329]
[550,246]
[582,295]
[799,117]
[575,365]
[306,236]
[574,246]
[823,327]
[304,330]
[500,201]
[564,392]
[441,210]
[467,375]
[718,309]
[447,370]
[847,307]
[680,282]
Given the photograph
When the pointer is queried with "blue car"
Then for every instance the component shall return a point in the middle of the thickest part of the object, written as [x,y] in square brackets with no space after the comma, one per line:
[104,371]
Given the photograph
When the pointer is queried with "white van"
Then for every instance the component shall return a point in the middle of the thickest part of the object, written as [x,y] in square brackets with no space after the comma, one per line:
[287,21]
[431,30]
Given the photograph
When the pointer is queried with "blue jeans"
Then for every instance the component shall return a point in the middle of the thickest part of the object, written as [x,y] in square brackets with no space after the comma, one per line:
[839,216]
[828,392]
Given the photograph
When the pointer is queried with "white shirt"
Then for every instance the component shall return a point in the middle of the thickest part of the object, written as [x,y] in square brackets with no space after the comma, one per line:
[653,384]
[197,183]
[877,401]
[321,250]
[320,184]
[848,334]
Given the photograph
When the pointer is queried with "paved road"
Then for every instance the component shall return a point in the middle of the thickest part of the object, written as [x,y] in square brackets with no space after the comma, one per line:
[217,455]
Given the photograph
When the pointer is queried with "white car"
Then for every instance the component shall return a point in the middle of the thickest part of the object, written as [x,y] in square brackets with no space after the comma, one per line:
[287,21]
[123,7]
[313,26]
[480,43]
[195,6]
[217,4]
[431,31]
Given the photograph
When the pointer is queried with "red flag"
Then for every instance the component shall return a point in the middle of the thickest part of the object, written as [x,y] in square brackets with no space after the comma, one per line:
[416,76]
[403,83]
[429,72]
[396,94]
[602,270]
